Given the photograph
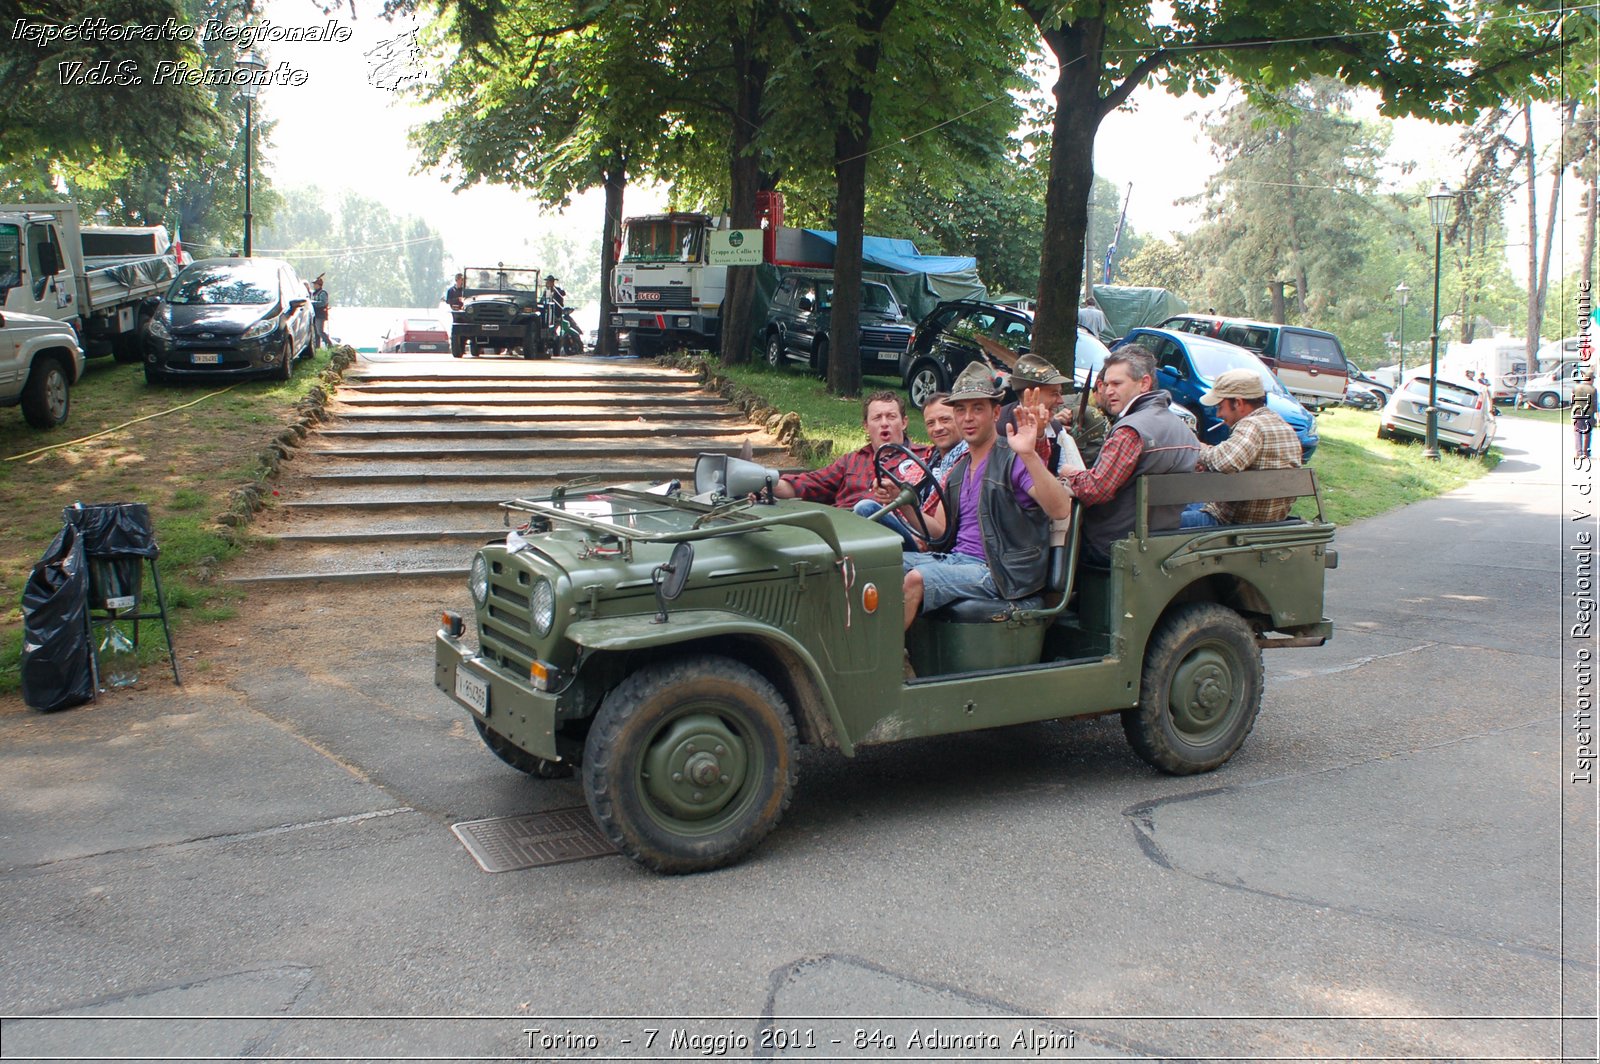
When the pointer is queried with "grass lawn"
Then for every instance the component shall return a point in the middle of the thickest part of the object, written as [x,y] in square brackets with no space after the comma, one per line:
[182,463]
[1361,475]
[1560,417]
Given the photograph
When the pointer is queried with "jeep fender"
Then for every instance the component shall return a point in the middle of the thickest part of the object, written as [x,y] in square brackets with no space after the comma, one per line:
[788,658]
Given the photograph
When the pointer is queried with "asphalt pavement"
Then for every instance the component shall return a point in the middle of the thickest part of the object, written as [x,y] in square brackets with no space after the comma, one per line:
[1398,864]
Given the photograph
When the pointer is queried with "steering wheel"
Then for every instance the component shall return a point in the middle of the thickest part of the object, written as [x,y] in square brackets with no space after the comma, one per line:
[880,471]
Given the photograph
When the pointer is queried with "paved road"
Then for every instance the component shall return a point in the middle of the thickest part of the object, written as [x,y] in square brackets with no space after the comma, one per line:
[1394,866]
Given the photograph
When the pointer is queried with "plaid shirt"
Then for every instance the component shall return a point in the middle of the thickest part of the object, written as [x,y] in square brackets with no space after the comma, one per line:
[1114,468]
[1261,440]
[849,480]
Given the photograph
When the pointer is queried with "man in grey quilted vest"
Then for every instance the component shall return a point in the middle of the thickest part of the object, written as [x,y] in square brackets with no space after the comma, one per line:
[1146,437]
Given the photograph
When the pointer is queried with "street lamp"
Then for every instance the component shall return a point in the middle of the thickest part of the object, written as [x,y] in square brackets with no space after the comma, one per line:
[1404,292]
[253,66]
[1439,213]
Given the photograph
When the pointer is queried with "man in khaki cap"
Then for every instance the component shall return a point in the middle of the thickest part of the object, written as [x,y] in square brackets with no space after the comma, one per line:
[1039,383]
[1260,440]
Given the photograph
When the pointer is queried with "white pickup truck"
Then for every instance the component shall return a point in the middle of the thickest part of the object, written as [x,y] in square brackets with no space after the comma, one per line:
[40,361]
[101,280]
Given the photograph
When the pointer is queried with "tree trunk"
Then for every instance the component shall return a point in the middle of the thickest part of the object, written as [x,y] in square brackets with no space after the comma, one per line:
[1296,245]
[1279,310]
[852,139]
[1066,197]
[1541,290]
[615,182]
[1586,272]
[744,173]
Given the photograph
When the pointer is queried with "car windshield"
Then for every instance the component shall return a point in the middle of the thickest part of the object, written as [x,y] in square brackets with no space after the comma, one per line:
[225,284]
[423,325]
[10,257]
[502,279]
[1448,393]
[878,299]
[662,240]
[1213,360]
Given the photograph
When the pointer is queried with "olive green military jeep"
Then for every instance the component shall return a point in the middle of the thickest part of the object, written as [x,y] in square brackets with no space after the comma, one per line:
[674,647]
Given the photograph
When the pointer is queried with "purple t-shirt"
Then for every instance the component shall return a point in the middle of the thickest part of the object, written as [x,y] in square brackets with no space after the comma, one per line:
[969,528]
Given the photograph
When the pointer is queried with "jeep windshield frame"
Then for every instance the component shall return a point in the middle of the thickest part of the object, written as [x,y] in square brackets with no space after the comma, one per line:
[707,520]
[489,279]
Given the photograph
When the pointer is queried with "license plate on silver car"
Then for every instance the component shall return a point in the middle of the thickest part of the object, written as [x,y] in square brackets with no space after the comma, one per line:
[473,690]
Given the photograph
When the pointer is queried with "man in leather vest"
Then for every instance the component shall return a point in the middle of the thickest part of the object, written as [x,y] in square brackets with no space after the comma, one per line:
[1001,499]
[1146,437]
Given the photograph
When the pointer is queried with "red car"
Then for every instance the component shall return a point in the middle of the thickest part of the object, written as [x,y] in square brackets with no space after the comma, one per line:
[415,334]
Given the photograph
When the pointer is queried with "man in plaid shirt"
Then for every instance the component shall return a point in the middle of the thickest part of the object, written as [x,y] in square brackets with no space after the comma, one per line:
[849,480]
[1260,440]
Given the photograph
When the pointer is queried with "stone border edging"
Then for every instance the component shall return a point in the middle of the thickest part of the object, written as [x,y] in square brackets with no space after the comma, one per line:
[783,424]
[245,501]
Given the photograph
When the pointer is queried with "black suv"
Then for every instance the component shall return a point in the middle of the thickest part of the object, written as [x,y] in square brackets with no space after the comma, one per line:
[955,334]
[797,325]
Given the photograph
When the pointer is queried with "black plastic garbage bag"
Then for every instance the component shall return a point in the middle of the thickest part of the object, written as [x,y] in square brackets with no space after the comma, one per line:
[117,536]
[57,669]
[114,529]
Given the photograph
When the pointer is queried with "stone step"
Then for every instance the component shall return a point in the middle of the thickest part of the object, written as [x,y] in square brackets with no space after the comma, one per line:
[700,408]
[451,390]
[545,453]
[554,430]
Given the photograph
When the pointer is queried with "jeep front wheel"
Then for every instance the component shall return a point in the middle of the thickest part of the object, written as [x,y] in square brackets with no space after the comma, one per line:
[1200,691]
[689,764]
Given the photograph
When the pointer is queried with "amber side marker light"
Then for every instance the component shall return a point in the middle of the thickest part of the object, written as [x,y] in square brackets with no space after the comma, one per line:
[869,598]
[454,626]
[543,675]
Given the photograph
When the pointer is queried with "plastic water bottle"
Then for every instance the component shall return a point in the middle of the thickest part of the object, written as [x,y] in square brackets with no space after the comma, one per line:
[119,664]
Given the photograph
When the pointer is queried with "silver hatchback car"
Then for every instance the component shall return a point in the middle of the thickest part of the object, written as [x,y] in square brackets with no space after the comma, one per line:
[1466,415]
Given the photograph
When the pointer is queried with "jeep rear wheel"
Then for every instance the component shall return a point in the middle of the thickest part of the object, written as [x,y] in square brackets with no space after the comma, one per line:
[689,764]
[520,759]
[1200,691]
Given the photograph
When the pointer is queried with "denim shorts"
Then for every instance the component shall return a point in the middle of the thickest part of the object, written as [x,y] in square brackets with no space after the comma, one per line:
[867,507]
[948,578]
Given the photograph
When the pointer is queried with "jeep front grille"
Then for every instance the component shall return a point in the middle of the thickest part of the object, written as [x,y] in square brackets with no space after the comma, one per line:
[883,338]
[504,626]
[664,298]
[495,313]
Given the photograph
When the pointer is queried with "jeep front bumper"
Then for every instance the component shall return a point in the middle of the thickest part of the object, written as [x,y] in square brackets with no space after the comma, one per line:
[507,706]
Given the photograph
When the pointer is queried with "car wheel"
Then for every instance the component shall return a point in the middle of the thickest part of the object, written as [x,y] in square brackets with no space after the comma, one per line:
[819,356]
[690,763]
[775,353]
[1200,690]
[153,376]
[47,397]
[128,347]
[1548,400]
[284,370]
[530,343]
[1385,434]
[458,346]
[926,377]
[520,759]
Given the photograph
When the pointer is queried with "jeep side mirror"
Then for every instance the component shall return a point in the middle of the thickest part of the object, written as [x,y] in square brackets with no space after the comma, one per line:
[671,577]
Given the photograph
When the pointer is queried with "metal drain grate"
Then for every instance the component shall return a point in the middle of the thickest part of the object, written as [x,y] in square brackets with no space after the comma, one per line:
[507,843]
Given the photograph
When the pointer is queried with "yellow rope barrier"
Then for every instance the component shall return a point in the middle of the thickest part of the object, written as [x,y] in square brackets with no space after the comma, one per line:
[118,428]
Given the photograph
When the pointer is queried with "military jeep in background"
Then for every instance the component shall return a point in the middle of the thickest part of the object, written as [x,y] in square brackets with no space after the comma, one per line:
[503,310]
[675,645]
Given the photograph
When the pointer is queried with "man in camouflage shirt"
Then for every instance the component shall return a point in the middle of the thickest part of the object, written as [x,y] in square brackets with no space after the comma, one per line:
[1260,440]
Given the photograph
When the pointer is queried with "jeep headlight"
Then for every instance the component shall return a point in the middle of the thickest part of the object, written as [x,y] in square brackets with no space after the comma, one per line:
[478,579]
[544,607]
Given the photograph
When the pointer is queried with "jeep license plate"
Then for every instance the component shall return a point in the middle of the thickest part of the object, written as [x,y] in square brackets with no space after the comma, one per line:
[488,328]
[205,358]
[472,690]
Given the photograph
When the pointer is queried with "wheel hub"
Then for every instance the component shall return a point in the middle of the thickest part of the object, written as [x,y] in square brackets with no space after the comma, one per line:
[695,767]
[1203,691]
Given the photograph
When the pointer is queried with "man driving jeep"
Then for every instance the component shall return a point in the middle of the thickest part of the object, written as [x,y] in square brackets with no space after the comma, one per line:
[851,479]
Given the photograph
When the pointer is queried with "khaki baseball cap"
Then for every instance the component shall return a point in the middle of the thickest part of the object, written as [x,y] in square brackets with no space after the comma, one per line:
[1235,384]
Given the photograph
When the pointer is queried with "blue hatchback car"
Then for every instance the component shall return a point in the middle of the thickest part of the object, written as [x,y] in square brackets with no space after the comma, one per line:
[1186,366]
